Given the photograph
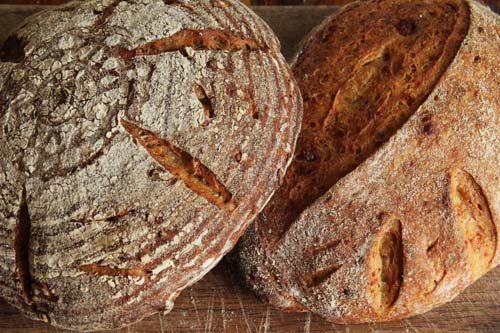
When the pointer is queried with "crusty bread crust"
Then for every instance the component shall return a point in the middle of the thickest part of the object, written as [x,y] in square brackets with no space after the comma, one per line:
[415,223]
[138,139]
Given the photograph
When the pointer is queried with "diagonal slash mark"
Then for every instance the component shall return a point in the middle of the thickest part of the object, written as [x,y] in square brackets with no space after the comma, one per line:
[316,278]
[198,40]
[196,176]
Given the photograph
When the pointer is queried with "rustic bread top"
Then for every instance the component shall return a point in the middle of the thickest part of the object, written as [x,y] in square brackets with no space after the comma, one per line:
[138,138]
[365,250]
[357,94]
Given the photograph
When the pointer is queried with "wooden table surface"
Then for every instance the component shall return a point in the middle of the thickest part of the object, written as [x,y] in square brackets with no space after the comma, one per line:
[219,303]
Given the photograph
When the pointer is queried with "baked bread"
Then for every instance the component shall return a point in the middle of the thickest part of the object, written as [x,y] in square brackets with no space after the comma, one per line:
[138,139]
[391,205]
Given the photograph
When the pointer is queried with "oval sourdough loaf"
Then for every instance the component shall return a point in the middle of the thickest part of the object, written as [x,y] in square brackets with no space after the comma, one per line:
[392,203]
[138,139]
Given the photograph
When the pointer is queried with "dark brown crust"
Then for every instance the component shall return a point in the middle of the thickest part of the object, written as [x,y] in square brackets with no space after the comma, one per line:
[349,116]
[430,194]
[359,87]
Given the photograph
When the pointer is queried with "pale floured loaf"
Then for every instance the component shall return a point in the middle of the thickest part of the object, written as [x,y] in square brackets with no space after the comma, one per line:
[392,203]
[138,139]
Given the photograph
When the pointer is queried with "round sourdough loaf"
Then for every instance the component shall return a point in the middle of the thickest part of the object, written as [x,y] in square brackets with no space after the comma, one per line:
[392,203]
[138,139]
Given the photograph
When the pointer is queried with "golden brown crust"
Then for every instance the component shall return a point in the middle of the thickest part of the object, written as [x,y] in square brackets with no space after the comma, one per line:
[357,94]
[360,86]
[476,223]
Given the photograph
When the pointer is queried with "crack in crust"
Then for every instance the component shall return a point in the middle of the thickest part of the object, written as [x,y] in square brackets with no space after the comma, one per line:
[437,263]
[197,40]
[21,246]
[475,221]
[316,278]
[330,245]
[183,166]
[205,101]
[105,14]
[103,270]
[385,266]
[312,255]
[437,282]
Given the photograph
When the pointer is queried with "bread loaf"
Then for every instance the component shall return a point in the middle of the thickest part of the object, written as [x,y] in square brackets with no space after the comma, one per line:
[391,205]
[138,139]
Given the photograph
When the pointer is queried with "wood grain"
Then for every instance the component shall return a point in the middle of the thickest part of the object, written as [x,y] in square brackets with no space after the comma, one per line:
[218,303]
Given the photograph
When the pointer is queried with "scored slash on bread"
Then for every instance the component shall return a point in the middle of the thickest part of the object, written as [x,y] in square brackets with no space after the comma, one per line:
[137,141]
[476,222]
[194,40]
[191,171]
[391,205]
